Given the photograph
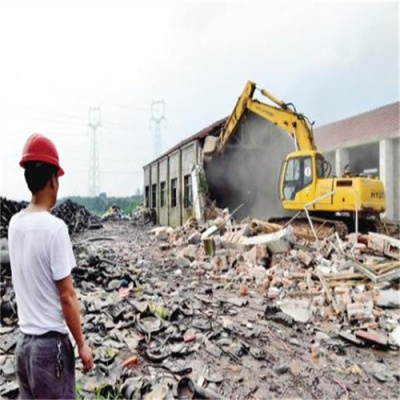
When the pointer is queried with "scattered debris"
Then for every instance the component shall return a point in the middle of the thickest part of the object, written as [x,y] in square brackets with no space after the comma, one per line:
[144,216]
[384,244]
[220,310]
[114,213]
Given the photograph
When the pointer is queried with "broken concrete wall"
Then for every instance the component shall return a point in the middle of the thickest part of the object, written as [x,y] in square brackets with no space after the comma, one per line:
[248,170]
[364,158]
[174,161]
[189,160]
[164,192]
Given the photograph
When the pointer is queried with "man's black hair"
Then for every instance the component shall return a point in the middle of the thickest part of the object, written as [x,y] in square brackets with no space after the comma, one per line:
[37,174]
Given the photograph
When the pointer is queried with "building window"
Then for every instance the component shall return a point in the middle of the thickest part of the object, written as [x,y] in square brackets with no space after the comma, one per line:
[154,196]
[162,194]
[187,199]
[174,184]
[146,197]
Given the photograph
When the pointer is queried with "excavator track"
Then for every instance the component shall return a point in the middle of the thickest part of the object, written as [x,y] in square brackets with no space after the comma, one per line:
[323,227]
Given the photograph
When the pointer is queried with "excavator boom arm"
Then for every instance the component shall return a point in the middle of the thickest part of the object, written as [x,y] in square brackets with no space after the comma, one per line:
[297,127]
[295,124]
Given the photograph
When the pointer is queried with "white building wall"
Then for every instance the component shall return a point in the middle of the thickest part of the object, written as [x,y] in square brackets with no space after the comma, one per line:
[396,179]
[389,170]
[386,174]
[342,158]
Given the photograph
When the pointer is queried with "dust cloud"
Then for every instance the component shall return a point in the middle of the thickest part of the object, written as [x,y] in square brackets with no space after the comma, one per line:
[248,170]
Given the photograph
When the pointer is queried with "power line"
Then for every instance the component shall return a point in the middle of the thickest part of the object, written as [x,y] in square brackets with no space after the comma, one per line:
[50,118]
[56,117]
[122,173]
[56,114]
[117,173]
[102,101]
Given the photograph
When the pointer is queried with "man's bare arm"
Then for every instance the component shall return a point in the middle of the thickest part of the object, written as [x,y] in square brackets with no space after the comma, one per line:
[70,308]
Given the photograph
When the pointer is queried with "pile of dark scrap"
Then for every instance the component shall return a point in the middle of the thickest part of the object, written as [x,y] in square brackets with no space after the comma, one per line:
[8,307]
[8,314]
[222,310]
[76,216]
[7,209]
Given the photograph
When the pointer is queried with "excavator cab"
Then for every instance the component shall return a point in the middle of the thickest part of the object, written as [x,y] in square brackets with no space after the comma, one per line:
[305,181]
[299,174]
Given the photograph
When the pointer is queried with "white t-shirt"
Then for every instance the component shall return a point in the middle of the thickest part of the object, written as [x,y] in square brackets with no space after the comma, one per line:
[40,254]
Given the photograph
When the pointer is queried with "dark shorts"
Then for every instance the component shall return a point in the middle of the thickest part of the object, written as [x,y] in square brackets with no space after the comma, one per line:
[38,370]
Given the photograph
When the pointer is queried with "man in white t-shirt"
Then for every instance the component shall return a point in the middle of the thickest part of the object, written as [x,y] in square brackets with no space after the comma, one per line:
[41,260]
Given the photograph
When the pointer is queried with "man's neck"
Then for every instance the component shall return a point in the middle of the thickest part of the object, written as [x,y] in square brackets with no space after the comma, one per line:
[40,202]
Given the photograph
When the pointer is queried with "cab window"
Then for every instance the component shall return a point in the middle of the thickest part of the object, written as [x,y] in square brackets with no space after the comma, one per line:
[320,167]
[298,175]
[293,170]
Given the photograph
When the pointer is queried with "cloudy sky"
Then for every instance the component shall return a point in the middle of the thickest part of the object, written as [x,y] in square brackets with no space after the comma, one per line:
[59,58]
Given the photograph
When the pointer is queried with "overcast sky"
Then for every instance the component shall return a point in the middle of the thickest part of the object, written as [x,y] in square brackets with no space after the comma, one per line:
[59,58]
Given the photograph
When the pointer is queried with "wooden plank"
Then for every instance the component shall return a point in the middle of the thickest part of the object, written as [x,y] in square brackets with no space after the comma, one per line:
[388,268]
[333,284]
[380,266]
[328,293]
[348,276]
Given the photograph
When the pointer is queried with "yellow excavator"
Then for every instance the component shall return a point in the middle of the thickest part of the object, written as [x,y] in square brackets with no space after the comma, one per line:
[305,184]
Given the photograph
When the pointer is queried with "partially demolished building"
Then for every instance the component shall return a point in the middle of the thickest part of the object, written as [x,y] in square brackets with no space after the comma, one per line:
[247,172]
[168,180]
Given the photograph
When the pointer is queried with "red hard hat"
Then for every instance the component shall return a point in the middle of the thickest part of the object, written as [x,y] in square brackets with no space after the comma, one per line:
[39,148]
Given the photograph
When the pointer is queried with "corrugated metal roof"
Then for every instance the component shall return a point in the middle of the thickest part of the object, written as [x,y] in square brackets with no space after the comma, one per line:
[375,124]
[216,126]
